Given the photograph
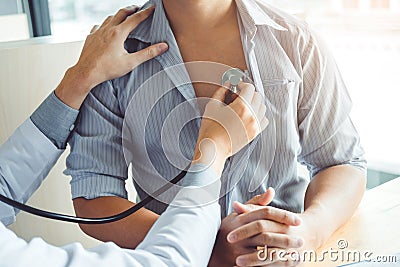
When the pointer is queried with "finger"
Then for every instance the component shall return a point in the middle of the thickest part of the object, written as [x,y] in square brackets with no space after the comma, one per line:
[122,14]
[148,53]
[271,213]
[94,29]
[263,199]
[255,228]
[106,21]
[247,91]
[133,21]
[220,94]
[275,240]
[240,208]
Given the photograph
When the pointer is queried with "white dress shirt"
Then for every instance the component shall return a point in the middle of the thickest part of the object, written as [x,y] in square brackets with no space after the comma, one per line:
[25,160]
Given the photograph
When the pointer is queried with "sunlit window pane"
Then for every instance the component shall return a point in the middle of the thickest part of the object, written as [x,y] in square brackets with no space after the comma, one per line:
[76,18]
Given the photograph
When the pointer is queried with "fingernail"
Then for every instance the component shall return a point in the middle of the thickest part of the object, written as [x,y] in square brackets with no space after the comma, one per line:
[151,6]
[232,237]
[240,261]
[300,242]
[162,47]
[297,220]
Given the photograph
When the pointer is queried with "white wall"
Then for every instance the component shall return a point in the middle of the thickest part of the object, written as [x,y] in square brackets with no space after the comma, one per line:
[28,73]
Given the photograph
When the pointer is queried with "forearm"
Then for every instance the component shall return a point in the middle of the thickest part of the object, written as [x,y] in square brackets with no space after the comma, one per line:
[29,154]
[129,232]
[126,233]
[331,199]
[194,215]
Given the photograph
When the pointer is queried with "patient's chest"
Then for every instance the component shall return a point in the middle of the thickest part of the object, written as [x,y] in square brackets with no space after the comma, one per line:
[219,49]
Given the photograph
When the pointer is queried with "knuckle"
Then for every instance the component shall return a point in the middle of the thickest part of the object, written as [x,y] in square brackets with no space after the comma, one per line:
[242,233]
[268,212]
[287,241]
[141,14]
[266,238]
[115,31]
[241,220]
[151,52]
[260,226]
[241,109]
[123,11]
[252,120]
[286,217]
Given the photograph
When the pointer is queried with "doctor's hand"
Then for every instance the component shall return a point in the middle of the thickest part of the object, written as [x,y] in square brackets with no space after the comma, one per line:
[226,129]
[104,57]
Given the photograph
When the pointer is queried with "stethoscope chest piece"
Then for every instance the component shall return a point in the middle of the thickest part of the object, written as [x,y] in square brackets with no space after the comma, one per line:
[234,76]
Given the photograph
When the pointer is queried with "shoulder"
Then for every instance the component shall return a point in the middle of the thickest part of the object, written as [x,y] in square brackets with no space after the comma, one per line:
[296,27]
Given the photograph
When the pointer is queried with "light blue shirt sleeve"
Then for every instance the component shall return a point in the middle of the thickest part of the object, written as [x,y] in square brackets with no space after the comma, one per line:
[55,120]
[182,236]
[25,160]
[29,154]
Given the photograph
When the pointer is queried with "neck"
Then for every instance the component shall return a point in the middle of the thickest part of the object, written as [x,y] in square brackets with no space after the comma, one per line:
[198,15]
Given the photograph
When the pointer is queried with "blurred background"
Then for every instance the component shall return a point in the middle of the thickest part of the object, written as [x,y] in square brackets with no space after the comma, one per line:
[39,39]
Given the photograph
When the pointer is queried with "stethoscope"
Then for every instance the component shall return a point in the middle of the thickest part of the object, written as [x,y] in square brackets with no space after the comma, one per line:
[234,76]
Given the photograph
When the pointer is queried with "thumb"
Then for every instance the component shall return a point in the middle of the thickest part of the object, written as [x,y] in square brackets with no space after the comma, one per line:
[148,53]
[263,199]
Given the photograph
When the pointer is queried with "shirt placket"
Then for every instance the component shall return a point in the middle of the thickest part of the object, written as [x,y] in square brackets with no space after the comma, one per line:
[237,162]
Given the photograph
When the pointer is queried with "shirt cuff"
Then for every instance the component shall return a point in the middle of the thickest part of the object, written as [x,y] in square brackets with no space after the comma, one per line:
[92,186]
[201,186]
[55,120]
[199,175]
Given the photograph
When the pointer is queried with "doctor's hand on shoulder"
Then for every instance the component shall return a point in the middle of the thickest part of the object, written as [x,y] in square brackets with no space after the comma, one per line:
[104,57]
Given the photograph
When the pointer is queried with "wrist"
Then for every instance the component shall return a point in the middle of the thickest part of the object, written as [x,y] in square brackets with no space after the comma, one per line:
[208,153]
[73,88]
[313,238]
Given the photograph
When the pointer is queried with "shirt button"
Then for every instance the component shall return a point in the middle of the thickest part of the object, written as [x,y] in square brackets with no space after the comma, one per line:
[72,127]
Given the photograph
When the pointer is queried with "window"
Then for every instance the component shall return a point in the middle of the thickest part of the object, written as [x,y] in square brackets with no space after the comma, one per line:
[380,4]
[364,36]
[12,13]
[75,18]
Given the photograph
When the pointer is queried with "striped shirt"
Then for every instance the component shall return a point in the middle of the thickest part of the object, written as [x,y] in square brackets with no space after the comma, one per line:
[307,99]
